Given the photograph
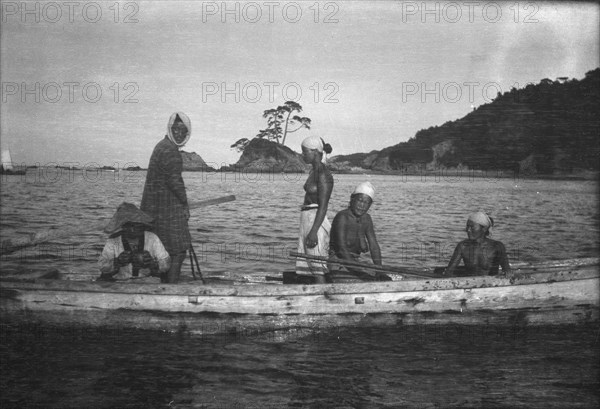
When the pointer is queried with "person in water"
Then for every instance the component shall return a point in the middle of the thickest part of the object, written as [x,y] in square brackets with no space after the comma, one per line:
[164,196]
[314,224]
[480,254]
[131,250]
[352,233]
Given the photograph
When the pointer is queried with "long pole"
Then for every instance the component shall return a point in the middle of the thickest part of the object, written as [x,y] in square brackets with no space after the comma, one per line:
[11,245]
[193,253]
[385,269]
[192,262]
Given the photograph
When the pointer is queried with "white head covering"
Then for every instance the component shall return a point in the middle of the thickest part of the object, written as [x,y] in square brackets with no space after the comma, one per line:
[313,142]
[186,121]
[366,188]
[482,219]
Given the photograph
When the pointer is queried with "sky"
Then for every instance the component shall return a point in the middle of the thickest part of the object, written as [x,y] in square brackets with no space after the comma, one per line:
[96,82]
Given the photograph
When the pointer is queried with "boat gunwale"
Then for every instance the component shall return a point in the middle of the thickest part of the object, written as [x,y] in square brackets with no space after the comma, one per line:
[269,290]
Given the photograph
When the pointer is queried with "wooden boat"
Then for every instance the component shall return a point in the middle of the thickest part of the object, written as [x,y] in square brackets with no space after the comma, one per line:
[546,293]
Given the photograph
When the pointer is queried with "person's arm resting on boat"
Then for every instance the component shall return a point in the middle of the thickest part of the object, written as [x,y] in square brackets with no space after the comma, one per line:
[372,240]
[504,264]
[454,260]
[374,248]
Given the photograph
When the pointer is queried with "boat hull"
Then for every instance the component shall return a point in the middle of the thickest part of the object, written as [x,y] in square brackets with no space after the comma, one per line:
[566,296]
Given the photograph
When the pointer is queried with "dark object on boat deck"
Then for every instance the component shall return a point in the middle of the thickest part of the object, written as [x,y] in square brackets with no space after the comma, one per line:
[350,277]
[460,271]
[439,271]
[290,277]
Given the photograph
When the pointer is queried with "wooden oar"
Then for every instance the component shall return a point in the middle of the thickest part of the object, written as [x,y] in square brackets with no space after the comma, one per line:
[11,245]
[210,202]
[384,269]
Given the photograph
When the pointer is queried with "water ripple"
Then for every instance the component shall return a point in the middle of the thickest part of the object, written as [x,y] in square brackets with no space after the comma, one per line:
[417,222]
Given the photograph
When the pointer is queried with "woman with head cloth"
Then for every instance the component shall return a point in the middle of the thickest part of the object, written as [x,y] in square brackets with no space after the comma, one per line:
[353,233]
[481,255]
[164,196]
[314,225]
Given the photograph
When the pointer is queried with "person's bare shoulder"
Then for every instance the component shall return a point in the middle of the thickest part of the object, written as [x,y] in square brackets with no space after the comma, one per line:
[341,216]
[324,175]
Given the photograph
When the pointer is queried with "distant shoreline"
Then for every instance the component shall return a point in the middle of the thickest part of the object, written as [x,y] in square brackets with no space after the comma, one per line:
[477,174]
[438,174]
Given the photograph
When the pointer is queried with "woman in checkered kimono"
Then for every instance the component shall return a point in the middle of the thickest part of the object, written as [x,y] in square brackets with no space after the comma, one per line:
[164,196]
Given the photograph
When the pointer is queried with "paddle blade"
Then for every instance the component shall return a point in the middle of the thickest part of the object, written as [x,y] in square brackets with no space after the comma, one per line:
[210,202]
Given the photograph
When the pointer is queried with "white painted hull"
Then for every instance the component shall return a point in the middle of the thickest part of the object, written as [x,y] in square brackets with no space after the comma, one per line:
[568,295]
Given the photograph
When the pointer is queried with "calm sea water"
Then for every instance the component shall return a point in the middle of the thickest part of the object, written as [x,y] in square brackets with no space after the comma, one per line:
[418,221]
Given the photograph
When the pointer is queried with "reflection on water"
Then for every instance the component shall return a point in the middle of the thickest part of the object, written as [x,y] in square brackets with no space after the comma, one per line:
[441,366]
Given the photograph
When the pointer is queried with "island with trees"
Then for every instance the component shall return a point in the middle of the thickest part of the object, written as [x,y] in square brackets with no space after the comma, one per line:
[547,129]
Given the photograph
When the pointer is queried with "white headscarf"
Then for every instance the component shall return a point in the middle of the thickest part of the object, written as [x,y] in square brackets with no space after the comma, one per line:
[186,121]
[482,219]
[366,188]
[313,142]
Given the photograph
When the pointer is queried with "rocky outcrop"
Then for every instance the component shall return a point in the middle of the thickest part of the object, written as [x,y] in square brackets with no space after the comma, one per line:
[381,163]
[440,150]
[261,155]
[369,159]
[353,163]
[193,162]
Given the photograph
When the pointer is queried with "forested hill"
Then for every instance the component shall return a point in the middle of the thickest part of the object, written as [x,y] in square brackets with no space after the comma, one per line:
[548,128]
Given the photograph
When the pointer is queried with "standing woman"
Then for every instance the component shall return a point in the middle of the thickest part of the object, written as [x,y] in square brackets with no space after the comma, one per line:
[164,196]
[314,225]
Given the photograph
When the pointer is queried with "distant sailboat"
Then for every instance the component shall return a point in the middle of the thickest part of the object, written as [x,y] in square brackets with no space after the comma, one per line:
[7,165]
